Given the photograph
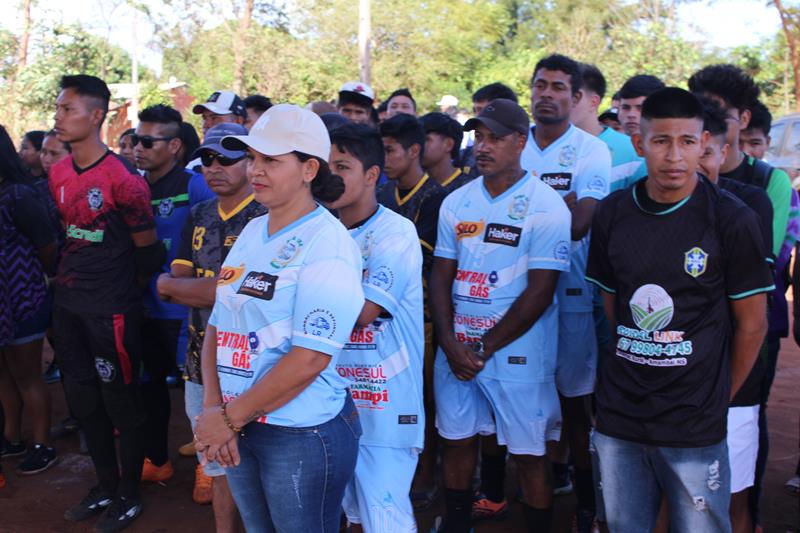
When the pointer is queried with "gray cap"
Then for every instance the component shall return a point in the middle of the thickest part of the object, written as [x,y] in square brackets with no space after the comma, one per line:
[502,117]
[213,140]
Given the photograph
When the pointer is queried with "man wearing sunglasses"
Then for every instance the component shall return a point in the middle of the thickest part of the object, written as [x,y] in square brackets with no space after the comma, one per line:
[173,189]
[208,235]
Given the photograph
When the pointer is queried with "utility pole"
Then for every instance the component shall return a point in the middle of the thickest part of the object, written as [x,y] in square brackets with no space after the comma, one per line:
[133,115]
[364,31]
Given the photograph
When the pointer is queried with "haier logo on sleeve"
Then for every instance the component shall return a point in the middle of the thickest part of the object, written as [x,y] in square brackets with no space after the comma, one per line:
[502,234]
[560,181]
[258,285]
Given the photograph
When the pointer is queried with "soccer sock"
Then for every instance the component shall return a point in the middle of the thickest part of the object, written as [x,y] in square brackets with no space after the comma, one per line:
[458,516]
[537,520]
[493,476]
[584,489]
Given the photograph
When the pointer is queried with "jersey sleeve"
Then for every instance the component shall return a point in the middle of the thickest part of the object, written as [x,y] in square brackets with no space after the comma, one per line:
[779,191]
[446,234]
[184,254]
[550,243]
[763,208]
[30,217]
[199,190]
[746,271]
[132,197]
[594,178]
[598,267]
[427,227]
[328,301]
[393,263]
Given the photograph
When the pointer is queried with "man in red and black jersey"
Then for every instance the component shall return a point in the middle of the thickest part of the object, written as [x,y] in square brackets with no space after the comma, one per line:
[110,247]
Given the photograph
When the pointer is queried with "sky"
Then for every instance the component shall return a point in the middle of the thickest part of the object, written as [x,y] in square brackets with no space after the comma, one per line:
[722,23]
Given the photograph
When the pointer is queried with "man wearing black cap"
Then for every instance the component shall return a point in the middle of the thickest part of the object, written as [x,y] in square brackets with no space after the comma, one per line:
[208,235]
[221,106]
[502,241]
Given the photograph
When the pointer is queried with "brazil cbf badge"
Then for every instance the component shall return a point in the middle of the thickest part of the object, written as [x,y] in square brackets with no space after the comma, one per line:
[695,261]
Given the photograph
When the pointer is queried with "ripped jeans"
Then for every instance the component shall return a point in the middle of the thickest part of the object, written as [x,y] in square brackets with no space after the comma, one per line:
[695,481]
[293,479]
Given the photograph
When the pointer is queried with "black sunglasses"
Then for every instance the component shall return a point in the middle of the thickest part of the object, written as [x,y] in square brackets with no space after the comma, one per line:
[207,159]
[147,141]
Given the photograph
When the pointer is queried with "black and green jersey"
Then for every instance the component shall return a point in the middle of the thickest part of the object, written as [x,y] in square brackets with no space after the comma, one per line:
[208,236]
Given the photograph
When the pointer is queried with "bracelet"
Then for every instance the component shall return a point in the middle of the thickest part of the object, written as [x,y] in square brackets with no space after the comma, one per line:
[228,422]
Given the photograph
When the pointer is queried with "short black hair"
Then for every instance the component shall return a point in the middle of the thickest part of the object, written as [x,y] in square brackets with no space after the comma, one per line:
[360,141]
[52,133]
[406,130]
[564,64]
[86,85]
[761,118]
[258,102]
[732,84]
[446,125]
[640,85]
[383,106]
[35,137]
[715,120]
[672,102]
[593,79]
[162,114]
[402,92]
[190,140]
[608,115]
[129,131]
[493,91]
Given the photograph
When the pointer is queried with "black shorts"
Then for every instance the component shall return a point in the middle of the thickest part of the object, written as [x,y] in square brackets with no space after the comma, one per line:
[104,347]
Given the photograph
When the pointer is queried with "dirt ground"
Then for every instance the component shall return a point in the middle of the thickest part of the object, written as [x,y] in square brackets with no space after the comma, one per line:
[36,504]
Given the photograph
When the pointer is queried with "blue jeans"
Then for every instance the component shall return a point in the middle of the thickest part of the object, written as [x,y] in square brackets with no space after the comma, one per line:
[695,481]
[292,480]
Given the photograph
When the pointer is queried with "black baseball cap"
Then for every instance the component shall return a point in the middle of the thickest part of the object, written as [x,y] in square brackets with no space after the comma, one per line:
[502,117]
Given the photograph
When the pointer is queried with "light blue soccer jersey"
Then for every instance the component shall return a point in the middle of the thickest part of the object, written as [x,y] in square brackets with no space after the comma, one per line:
[576,162]
[495,241]
[383,361]
[626,166]
[298,287]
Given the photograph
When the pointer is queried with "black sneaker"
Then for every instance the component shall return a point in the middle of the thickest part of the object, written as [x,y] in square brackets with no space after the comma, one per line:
[119,515]
[39,459]
[13,449]
[93,503]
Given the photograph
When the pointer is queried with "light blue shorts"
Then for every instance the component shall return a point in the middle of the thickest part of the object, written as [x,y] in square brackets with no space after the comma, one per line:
[193,398]
[576,365]
[523,415]
[378,495]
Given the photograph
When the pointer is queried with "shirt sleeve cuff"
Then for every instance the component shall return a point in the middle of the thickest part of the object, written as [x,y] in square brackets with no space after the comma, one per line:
[381,297]
[318,344]
[601,285]
[745,294]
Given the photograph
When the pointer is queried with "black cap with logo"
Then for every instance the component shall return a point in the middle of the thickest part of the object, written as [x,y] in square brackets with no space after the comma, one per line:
[502,117]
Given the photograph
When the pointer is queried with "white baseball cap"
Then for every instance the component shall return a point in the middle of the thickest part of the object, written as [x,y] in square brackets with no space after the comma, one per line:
[448,100]
[222,103]
[359,88]
[282,129]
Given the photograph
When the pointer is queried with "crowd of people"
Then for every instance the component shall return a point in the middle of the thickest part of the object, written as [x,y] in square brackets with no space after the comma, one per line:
[373,310]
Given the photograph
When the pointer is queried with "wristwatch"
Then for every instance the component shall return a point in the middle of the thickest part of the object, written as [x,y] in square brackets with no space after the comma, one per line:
[479,349]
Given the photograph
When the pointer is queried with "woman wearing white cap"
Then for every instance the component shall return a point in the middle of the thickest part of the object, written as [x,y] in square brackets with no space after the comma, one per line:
[288,295]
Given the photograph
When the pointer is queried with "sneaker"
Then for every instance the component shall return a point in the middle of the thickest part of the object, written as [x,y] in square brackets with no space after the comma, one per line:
[562,484]
[118,515]
[64,428]
[12,449]
[583,521]
[202,492]
[485,509]
[157,474]
[39,459]
[53,374]
[187,450]
[792,485]
[93,503]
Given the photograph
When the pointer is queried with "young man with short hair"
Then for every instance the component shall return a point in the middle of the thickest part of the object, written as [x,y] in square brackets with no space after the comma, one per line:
[173,190]
[626,166]
[221,106]
[754,140]
[401,101]
[503,240]
[688,307]
[111,245]
[443,136]
[578,166]
[384,357]
[415,195]
[631,98]
[208,235]
[255,105]
[355,102]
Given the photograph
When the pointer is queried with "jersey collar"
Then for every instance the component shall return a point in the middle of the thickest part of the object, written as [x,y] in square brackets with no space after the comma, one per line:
[412,192]
[452,176]
[226,216]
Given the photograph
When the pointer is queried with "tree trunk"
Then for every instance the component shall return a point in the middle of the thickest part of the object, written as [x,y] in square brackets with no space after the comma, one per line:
[791,25]
[22,53]
[240,47]
[364,31]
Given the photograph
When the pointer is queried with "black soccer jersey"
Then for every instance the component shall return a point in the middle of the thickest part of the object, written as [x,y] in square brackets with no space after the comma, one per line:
[208,236]
[456,180]
[673,270]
